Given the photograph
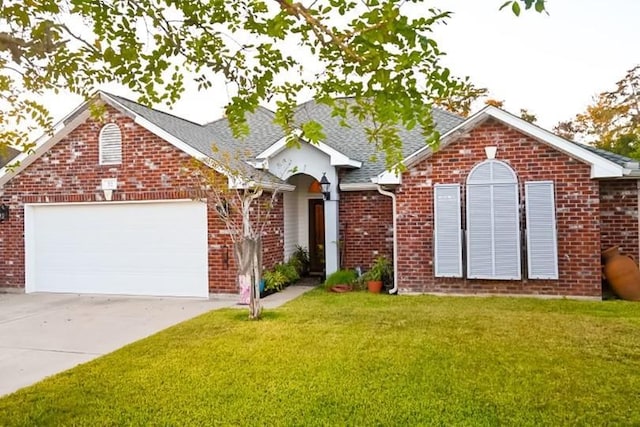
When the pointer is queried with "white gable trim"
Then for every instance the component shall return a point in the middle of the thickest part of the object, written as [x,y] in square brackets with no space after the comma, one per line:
[61,130]
[156,130]
[600,167]
[336,157]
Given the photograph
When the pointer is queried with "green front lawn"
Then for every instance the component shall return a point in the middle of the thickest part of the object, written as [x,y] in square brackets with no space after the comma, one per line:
[360,359]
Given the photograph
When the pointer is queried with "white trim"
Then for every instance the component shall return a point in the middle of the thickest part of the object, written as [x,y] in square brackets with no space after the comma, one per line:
[600,167]
[277,146]
[388,178]
[117,202]
[359,186]
[336,157]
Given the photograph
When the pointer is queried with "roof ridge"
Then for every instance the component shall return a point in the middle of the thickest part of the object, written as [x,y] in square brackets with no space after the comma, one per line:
[449,113]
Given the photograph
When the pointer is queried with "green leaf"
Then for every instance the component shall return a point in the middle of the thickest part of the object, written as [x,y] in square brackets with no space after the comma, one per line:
[313,131]
[515,7]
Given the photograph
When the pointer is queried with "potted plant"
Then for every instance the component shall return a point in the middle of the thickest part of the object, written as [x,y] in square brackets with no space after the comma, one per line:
[381,268]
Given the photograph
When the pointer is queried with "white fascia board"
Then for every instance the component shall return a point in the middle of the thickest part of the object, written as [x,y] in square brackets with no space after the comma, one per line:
[359,186]
[158,131]
[336,157]
[600,167]
[44,144]
[388,178]
[277,146]
[239,184]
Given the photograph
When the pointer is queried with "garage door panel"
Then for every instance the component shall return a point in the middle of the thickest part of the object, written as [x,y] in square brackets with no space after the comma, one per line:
[135,248]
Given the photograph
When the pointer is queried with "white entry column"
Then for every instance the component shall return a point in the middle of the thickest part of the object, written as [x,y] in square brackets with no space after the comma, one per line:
[331,225]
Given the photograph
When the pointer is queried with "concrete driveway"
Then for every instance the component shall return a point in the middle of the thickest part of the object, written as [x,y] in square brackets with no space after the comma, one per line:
[43,334]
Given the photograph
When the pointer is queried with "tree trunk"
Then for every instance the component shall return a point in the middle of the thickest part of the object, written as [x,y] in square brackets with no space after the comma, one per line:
[249,260]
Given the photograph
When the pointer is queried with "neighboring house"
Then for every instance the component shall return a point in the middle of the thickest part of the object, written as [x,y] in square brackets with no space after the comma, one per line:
[502,207]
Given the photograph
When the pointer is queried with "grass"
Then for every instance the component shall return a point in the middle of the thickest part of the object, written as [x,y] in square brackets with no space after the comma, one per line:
[361,359]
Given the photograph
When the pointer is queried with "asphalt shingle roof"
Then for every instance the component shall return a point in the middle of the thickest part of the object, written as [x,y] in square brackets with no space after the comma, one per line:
[351,141]
[612,157]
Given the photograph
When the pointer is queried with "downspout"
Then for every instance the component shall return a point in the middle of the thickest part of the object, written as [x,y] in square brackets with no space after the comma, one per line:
[393,290]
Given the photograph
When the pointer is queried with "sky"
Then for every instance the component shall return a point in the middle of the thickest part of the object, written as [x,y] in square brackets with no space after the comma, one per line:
[553,65]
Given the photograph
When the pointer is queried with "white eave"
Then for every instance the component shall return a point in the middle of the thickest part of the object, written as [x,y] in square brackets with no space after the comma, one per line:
[600,167]
[358,186]
[336,158]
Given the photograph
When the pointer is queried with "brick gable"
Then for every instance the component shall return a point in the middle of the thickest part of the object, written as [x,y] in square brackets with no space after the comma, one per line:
[577,213]
[151,169]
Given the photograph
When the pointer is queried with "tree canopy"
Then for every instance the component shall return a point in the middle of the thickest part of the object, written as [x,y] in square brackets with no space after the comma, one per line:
[612,122]
[382,53]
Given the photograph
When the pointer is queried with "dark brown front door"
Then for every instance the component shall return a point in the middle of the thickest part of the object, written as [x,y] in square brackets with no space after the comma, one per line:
[316,235]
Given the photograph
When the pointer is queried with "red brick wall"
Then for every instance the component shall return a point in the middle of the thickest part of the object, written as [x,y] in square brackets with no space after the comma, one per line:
[366,227]
[577,213]
[151,169]
[273,238]
[619,215]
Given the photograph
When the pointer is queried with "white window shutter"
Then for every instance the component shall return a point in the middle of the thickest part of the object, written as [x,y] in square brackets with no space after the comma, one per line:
[110,142]
[506,231]
[479,232]
[542,240]
[447,231]
[493,223]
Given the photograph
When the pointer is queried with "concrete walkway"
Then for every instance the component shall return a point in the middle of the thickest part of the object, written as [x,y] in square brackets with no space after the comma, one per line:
[44,334]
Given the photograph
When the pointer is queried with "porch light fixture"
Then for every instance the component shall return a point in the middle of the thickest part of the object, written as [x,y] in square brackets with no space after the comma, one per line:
[326,187]
[4,212]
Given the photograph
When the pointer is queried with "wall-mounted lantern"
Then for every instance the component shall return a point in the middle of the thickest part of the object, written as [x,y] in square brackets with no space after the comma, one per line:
[4,212]
[326,187]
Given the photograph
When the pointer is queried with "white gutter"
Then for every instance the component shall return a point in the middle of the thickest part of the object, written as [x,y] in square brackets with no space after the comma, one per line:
[393,290]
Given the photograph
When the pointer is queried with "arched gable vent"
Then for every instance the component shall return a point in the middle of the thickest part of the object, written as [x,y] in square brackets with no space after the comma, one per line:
[110,141]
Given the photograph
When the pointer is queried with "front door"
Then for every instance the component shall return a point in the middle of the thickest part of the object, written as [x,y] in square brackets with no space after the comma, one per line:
[316,235]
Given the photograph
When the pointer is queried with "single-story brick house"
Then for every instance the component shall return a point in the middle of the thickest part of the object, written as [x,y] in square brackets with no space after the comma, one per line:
[501,207]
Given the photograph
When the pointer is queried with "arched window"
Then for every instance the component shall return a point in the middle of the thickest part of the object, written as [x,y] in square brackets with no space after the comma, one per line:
[493,222]
[110,141]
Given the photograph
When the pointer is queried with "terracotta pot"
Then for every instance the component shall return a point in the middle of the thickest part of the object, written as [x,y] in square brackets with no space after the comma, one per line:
[622,273]
[375,287]
[341,288]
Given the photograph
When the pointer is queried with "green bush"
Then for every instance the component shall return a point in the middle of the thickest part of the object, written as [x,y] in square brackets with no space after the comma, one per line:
[297,264]
[289,271]
[274,280]
[302,255]
[341,277]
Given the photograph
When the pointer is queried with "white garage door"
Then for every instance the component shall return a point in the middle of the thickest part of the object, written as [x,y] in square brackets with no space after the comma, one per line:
[127,248]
